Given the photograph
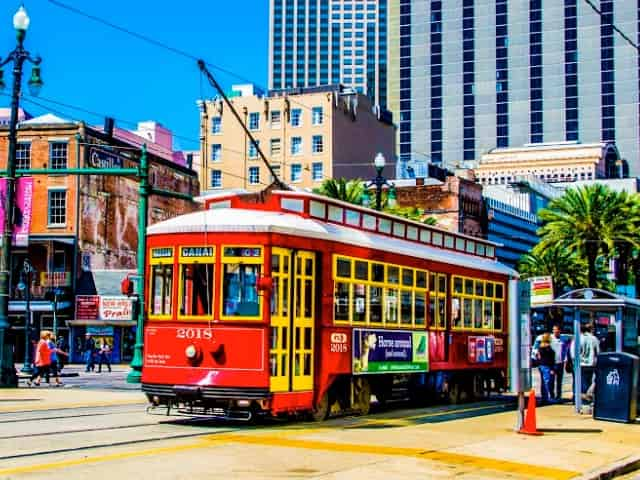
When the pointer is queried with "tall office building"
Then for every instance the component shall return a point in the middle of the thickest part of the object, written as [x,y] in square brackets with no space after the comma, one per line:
[321,42]
[468,76]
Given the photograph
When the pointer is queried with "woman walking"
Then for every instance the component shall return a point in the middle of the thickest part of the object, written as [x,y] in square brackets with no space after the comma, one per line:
[546,358]
[42,360]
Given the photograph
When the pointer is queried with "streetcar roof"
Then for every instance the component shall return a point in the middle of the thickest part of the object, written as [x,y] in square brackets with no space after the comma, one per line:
[261,221]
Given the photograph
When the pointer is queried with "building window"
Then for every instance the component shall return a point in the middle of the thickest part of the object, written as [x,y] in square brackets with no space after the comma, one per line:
[253,151]
[275,118]
[254,121]
[317,146]
[216,152]
[535,71]
[296,146]
[296,172]
[296,117]
[276,147]
[58,155]
[57,208]
[317,115]
[317,173]
[23,156]
[216,125]
[254,175]
[216,179]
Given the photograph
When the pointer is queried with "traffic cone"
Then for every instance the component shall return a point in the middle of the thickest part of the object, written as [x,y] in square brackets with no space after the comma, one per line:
[529,427]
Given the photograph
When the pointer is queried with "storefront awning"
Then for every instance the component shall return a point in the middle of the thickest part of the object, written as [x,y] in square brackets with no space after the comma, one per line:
[17,306]
[112,323]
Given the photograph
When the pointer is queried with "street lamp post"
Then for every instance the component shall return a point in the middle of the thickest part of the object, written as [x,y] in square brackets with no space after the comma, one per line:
[379,181]
[18,57]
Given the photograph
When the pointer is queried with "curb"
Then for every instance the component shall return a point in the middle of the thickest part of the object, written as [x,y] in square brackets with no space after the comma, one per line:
[613,470]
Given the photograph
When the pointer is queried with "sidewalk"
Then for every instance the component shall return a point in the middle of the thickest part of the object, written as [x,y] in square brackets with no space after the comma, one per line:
[75,376]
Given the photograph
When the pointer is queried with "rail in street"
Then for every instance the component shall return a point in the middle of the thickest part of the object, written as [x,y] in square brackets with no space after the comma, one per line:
[47,434]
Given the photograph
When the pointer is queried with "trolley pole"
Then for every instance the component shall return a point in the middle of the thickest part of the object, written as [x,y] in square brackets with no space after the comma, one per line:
[135,374]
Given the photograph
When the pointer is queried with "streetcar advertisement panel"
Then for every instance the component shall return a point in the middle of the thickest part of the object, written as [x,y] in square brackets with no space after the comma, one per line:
[389,351]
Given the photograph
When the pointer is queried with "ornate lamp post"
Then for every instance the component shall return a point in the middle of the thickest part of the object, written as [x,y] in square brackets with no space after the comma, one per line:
[379,181]
[18,57]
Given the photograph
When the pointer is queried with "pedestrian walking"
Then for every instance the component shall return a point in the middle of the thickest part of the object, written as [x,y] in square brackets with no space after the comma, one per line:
[589,350]
[62,346]
[89,350]
[105,356]
[42,360]
[56,356]
[559,347]
[546,363]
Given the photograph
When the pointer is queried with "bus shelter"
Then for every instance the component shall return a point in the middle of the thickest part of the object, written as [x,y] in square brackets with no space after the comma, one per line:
[620,314]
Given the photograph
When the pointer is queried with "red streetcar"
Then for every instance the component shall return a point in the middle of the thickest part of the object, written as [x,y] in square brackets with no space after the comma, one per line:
[288,302]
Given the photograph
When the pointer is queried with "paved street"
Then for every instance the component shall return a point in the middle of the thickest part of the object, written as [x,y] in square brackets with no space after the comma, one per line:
[84,431]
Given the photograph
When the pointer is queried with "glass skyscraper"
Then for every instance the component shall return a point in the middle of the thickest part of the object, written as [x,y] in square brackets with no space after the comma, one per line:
[468,76]
[321,42]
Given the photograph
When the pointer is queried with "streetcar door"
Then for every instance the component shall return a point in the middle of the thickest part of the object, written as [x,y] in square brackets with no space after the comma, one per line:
[280,341]
[303,320]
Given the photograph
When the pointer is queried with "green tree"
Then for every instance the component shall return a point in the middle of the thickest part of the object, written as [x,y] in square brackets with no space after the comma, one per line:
[341,189]
[588,222]
[567,270]
[412,213]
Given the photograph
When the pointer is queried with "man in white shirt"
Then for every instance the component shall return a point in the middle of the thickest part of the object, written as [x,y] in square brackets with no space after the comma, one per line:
[589,350]
[559,349]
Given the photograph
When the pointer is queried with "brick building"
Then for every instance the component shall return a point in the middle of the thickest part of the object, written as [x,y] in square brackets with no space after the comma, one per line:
[455,202]
[80,233]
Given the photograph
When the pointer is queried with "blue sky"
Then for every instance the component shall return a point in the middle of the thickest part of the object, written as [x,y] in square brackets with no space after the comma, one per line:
[89,65]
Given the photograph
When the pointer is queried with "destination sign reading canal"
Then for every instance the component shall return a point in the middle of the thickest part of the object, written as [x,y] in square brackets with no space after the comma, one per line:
[161,252]
[196,252]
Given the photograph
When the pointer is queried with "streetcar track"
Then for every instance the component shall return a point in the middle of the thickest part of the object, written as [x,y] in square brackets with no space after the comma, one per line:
[112,444]
[59,417]
[79,430]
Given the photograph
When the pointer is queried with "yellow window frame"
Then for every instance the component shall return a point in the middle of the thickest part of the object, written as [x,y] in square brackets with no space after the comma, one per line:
[159,260]
[192,260]
[227,259]
[351,281]
[433,284]
[473,297]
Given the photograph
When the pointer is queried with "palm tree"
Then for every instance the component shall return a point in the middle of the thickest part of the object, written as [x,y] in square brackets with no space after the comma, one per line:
[624,235]
[567,270]
[577,222]
[341,189]
[581,222]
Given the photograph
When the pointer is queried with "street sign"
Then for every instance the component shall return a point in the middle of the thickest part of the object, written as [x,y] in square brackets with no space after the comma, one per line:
[541,290]
[87,307]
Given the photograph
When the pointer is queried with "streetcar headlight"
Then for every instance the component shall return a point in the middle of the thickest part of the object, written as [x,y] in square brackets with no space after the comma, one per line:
[243,403]
[191,352]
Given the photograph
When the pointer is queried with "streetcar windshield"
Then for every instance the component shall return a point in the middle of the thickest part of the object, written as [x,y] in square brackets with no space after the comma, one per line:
[240,290]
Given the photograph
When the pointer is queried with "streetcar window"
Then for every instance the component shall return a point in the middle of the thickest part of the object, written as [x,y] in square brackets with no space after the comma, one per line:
[240,291]
[375,305]
[362,270]
[393,275]
[360,300]
[196,289]
[377,272]
[391,305]
[344,268]
[478,305]
[341,307]
[406,307]
[438,300]
[419,308]
[421,279]
[161,288]
[407,277]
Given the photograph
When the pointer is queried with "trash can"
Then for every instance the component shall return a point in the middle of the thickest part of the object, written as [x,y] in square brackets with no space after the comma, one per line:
[616,392]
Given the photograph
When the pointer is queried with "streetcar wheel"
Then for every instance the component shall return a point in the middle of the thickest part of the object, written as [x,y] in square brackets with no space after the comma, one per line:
[362,396]
[320,411]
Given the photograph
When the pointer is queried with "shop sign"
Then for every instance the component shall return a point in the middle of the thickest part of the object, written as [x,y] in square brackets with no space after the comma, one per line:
[385,351]
[99,158]
[55,279]
[541,290]
[116,308]
[87,307]
[100,330]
